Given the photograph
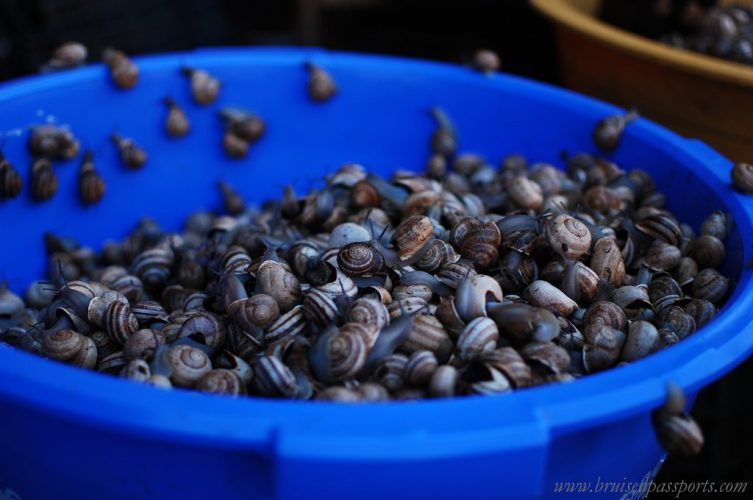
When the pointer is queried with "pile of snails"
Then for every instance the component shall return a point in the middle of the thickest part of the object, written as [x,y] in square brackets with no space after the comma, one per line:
[467,278]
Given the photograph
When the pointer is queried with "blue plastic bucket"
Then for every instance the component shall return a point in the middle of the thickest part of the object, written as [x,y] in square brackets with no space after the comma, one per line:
[66,432]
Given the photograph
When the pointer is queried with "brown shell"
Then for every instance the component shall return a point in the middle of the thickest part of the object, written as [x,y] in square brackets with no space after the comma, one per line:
[412,236]
[420,367]
[707,251]
[272,279]
[510,362]
[120,322]
[742,177]
[360,259]
[662,256]
[568,236]
[524,192]
[44,182]
[607,261]
[481,245]
[221,381]
[187,364]
[259,310]
[710,285]
[273,378]
[370,312]
[437,255]
[428,334]
[479,336]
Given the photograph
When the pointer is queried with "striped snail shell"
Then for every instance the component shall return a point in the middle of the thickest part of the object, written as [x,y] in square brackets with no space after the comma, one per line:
[71,347]
[548,355]
[153,266]
[112,363]
[205,327]
[137,370]
[142,344]
[462,229]
[221,381]
[412,236]
[320,309]
[337,355]
[437,255]
[123,71]
[105,346]
[678,434]
[360,259]
[187,364]
[428,334]
[234,259]
[481,245]
[91,185]
[409,305]
[149,311]
[197,301]
[370,312]
[660,225]
[606,313]
[97,309]
[272,279]
[479,335]
[341,285]
[511,364]
[290,324]
[454,273]
[420,203]
[204,87]
[10,180]
[443,382]
[320,84]
[390,370]
[369,332]
[120,322]
[258,311]
[603,344]
[420,367]
[482,378]
[662,256]
[716,225]
[686,271]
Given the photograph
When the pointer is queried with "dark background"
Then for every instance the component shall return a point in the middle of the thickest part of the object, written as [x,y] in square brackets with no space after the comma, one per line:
[439,29]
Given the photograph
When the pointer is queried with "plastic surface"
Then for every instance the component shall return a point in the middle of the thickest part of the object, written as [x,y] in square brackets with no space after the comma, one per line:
[70,433]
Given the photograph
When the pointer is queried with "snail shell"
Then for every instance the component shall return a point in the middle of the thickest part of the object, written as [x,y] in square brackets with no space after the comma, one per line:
[370,312]
[234,146]
[604,313]
[371,391]
[348,232]
[701,310]
[481,244]
[320,86]
[412,236]
[274,280]
[710,285]
[142,344]
[44,182]
[601,199]
[443,382]
[319,308]
[437,255]
[642,339]
[454,273]
[420,367]
[662,256]
[360,259]
[204,87]
[401,292]
[137,370]
[257,311]
[176,122]
[602,348]
[120,322]
[338,355]
[205,327]
[221,381]
[153,266]
[91,185]
[552,357]
[112,363]
[607,261]
[522,323]
[427,333]
[686,271]
[146,312]
[742,177]
[525,193]
[715,225]
[449,316]
[660,225]
[707,251]
[631,297]
[340,394]
[105,346]
[341,285]
[568,236]
[389,371]
[123,71]
[479,335]
[159,381]
[187,364]
[677,434]
[481,378]
[70,346]
[369,332]
[676,319]
[511,364]
[420,203]
[543,294]
[408,305]
[664,291]
[290,324]
[273,378]
[473,293]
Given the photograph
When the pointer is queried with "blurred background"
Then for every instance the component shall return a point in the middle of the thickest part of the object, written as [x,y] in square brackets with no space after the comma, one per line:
[434,29]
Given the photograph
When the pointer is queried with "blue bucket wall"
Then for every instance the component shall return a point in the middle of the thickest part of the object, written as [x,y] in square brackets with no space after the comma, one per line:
[88,435]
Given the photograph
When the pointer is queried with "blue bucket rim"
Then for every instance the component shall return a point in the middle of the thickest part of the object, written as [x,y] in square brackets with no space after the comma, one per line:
[471,424]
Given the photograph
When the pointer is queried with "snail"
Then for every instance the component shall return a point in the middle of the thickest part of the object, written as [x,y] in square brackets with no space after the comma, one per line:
[10,179]
[176,121]
[131,154]
[91,185]
[608,131]
[742,177]
[243,124]
[123,71]
[66,56]
[204,87]
[486,61]
[44,182]
[320,85]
